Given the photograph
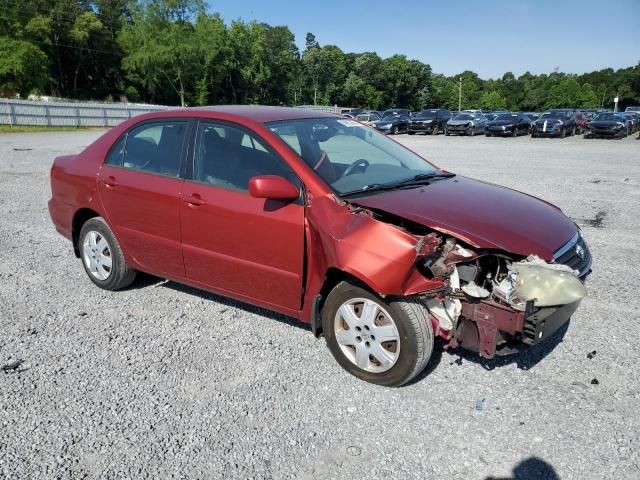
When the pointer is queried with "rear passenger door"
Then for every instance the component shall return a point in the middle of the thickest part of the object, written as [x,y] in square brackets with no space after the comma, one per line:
[252,248]
[139,186]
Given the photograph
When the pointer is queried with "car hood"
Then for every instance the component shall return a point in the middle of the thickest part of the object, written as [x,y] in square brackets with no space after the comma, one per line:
[459,122]
[482,214]
[604,123]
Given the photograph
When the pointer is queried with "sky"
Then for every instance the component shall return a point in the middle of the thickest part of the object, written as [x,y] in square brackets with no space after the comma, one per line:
[489,37]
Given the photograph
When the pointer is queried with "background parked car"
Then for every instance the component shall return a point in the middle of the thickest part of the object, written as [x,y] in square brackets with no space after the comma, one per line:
[631,122]
[396,111]
[607,125]
[512,124]
[431,121]
[392,124]
[369,118]
[466,123]
[581,122]
[554,123]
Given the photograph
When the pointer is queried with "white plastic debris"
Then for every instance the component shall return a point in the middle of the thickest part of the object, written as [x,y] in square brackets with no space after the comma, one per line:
[474,290]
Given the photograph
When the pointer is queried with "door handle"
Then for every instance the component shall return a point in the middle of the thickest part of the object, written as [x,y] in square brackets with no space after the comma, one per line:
[110,181]
[193,200]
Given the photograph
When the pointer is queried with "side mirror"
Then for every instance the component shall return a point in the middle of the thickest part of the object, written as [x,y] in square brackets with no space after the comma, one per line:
[273,187]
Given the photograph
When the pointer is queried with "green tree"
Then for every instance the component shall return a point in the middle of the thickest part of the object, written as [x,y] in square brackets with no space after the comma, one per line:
[23,67]
[493,101]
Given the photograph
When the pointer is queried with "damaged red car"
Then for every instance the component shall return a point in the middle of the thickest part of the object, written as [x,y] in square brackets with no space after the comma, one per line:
[321,218]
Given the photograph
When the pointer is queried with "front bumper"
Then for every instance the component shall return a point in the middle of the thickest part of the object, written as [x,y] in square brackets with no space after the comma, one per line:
[500,130]
[421,127]
[458,128]
[551,131]
[491,328]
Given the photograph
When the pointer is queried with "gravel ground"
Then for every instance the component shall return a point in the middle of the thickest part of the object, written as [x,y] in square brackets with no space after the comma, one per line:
[163,381]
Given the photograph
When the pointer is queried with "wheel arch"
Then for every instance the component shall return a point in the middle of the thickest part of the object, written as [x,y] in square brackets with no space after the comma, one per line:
[333,276]
[79,219]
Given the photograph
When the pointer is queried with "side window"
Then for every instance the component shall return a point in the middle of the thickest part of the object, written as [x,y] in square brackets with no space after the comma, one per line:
[115,155]
[228,157]
[155,147]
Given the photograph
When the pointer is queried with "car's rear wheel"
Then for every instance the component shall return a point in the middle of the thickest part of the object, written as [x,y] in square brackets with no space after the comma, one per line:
[386,342]
[102,257]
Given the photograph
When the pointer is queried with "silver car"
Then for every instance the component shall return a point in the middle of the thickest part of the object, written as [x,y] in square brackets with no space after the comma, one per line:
[467,123]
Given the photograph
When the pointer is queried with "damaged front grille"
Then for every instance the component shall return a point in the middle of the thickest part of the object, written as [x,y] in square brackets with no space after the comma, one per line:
[575,254]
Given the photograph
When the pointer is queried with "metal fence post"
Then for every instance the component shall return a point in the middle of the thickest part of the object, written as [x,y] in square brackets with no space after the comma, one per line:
[12,114]
[47,115]
[104,115]
[77,112]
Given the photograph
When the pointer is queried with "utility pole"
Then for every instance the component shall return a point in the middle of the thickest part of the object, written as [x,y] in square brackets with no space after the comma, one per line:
[460,95]
[615,102]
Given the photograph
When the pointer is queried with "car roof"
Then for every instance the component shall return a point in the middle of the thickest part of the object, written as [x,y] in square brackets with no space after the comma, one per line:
[262,114]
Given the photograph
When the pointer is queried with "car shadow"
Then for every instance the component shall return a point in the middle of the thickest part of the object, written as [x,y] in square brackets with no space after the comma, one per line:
[145,280]
[525,359]
[532,467]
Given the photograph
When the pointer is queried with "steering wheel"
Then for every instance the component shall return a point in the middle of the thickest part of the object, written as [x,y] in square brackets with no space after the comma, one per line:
[351,168]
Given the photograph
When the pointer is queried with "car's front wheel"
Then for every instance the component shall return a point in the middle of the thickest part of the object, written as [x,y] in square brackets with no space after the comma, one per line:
[386,342]
[102,256]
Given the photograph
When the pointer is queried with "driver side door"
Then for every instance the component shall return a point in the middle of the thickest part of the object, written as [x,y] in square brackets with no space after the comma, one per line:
[250,248]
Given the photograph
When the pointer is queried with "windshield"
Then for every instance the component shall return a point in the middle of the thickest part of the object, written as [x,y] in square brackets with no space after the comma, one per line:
[349,156]
[426,115]
[559,115]
[507,116]
[610,117]
[463,116]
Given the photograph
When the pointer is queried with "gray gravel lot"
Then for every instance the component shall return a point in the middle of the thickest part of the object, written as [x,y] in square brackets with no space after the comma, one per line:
[163,381]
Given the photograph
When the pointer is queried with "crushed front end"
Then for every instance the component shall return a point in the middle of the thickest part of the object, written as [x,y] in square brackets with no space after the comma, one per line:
[496,302]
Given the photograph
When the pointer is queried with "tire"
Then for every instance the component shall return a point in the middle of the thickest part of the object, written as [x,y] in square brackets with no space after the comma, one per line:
[98,241]
[488,134]
[410,132]
[471,132]
[404,357]
[435,130]
[563,133]
[394,131]
[514,132]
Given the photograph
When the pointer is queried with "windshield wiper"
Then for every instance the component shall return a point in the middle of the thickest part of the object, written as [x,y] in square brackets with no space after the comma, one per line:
[420,178]
[416,180]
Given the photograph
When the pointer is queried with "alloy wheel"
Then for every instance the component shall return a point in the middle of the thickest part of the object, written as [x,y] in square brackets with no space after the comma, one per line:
[96,255]
[367,335]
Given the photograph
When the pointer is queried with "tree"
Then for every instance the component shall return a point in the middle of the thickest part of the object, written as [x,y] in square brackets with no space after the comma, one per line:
[23,67]
[493,101]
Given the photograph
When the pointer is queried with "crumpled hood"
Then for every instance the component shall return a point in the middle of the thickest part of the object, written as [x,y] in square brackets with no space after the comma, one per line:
[459,122]
[482,214]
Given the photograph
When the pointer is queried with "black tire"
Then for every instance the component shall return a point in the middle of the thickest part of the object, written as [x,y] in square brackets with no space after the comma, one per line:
[488,134]
[410,132]
[514,132]
[120,274]
[394,130]
[471,131]
[413,325]
[435,130]
[563,133]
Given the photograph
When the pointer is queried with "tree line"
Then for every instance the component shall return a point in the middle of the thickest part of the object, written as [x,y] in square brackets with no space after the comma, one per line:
[177,52]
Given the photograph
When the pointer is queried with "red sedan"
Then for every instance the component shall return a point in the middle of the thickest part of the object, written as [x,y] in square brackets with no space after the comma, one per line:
[326,220]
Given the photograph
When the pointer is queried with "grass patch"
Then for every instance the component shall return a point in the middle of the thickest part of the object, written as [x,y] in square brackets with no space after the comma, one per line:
[38,129]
